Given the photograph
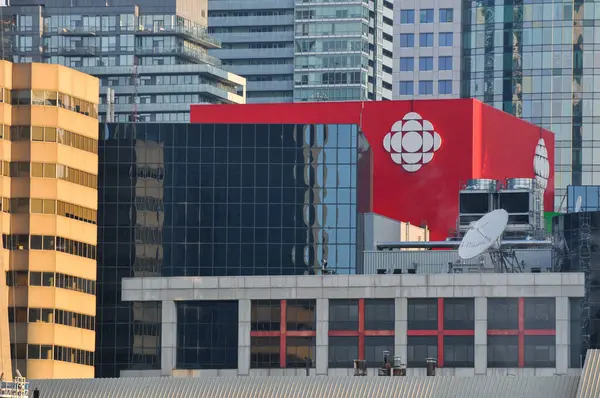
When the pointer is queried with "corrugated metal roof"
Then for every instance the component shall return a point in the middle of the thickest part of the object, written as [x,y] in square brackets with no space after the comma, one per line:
[589,386]
[313,387]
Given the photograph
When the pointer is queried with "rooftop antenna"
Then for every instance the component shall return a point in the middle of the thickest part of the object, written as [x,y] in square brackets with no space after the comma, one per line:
[578,204]
[485,235]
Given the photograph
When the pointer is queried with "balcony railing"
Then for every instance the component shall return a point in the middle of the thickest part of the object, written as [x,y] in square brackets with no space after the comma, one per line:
[197,35]
[79,31]
[191,55]
[84,51]
[12,27]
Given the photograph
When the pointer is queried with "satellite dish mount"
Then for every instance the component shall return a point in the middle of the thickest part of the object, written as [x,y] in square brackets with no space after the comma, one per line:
[485,235]
[578,204]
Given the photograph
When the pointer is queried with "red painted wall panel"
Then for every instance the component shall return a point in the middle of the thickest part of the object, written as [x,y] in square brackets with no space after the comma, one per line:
[508,147]
[477,141]
[299,112]
[430,194]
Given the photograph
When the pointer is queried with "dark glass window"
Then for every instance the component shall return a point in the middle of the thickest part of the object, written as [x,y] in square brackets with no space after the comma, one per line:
[407,16]
[407,40]
[266,315]
[459,314]
[207,334]
[426,16]
[425,64]
[301,314]
[503,351]
[540,351]
[503,314]
[446,14]
[407,87]
[459,351]
[420,348]
[540,313]
[374,347]
[426,40]
[445,63]
[342,351]
[233,188]
[264,352]
[575,355]
[379,314]
[343,315]
[407,64]
[422,314]
[299,351]
[146,334]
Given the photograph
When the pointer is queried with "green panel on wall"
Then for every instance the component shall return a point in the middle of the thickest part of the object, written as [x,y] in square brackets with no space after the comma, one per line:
[548,219]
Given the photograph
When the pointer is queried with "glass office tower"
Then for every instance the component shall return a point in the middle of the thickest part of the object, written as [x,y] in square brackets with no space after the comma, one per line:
[216,200]
[527,58]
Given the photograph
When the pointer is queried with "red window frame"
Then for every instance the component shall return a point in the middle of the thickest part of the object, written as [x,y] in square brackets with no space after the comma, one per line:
[440,332]
[521,332]
[283,333]
[361,333]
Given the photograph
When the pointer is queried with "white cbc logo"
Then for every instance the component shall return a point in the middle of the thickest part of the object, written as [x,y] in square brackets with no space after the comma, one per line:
[541,165]
[412,142]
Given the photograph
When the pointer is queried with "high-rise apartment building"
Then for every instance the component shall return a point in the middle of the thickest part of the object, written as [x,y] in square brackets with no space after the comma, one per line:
[154,55]
[427,48]
[257,39]
[49,154]
[300,50]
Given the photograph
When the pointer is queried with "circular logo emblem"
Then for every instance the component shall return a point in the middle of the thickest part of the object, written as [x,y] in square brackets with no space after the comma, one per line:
[412,142]
[541,165]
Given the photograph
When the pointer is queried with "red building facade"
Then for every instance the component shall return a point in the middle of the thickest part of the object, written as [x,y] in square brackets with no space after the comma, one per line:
[421,152]
[520,332]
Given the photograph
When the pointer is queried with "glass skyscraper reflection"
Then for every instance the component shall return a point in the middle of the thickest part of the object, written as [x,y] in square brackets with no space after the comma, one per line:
[215,200]
[590,198]
[527,58]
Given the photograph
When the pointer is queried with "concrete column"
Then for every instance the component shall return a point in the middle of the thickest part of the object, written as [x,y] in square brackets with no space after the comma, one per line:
[244,327]
[480,336]
[562,335]
[168,338]
[322,345]
[400,328]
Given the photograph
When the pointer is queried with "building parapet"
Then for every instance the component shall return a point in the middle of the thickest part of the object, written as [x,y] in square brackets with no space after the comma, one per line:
[352,286]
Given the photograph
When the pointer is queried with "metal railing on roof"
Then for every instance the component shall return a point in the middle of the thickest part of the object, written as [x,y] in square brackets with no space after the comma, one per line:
[426,262]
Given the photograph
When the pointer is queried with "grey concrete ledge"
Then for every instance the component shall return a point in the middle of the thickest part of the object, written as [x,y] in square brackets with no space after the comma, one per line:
[352,286]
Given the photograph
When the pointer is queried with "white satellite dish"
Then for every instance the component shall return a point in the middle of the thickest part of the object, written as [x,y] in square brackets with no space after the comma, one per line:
[483,234]
[578,205]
